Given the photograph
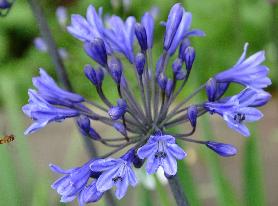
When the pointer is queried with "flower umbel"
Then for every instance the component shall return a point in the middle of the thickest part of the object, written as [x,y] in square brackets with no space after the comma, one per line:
[143,123]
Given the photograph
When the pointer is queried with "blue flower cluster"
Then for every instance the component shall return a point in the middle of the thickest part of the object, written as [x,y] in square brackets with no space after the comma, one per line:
[142,123]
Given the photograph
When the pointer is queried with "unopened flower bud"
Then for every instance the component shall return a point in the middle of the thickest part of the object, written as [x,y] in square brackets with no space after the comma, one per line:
[96,50]
[185,43]
[83,123]
[211,89]
[95,76]
[141,35]
[162,81]
[140,62]
[172,25]
[192,114]
[169,87]
[177,66]
[189,57]
[116,69]
[116,112]
[224,150]
[120,128]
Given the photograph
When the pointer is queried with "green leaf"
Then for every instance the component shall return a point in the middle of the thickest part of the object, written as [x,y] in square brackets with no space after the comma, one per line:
[19,147]
[253,172]
[224,189]
[189,185]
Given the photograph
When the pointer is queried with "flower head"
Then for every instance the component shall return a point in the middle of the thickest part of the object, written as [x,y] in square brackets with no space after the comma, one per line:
[161,151]
[146,124]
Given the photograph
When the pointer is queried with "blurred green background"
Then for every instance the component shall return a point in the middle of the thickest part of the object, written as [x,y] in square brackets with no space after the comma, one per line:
[250,178]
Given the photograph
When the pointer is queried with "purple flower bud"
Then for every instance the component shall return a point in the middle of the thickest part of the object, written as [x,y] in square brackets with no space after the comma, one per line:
[177,66]
[224,150]
[116,69]
[96,50]
[140,62]
[141,35]
[120,128]
[85,128]
[169,87]
[189,57]
[95,76]
[185,43]
[192,114]
[116,112]
[162,81]
[83,123]
[211,89]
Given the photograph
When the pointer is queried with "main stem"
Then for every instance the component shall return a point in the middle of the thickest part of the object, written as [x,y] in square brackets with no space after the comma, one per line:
[62,73]
[177,191]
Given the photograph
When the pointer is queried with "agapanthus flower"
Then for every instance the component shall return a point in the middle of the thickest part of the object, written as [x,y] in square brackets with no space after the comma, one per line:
[44,113]
[89,28]
[161,151]
[53,94]
[120,35]
[237,110]
[248,72]
[143,122]
[73,184]
[115,172]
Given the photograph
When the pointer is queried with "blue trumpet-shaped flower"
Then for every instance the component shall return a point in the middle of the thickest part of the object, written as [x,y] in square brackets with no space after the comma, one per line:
[72,182]
[161,151]
[44,113]
[248,72]
[115,172]
[87,29]
[237,110]
[49,90]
